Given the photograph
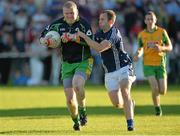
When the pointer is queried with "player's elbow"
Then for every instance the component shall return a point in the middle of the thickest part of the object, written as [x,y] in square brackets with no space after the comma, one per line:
[170,48]
[100,50]
[103,48]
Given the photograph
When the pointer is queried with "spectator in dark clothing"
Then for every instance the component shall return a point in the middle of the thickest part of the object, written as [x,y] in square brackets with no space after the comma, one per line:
[5,63]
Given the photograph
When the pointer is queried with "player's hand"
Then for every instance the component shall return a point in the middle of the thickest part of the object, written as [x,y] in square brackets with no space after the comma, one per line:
[135,58]
[46,41]
[158,48]
[43,41]
[81,34]
[67,37]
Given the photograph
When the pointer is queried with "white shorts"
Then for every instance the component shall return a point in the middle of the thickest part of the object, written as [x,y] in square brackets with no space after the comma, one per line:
[113,79]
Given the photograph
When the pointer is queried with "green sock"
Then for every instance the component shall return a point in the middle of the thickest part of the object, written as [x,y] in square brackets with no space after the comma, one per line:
[82,111]
[158,109]
[76,120]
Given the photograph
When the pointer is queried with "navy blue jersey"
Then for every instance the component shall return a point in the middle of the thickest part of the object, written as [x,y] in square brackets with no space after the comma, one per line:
[115,57]
[72,51]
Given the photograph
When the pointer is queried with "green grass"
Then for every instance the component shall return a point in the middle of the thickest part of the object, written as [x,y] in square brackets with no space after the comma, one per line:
[42,111]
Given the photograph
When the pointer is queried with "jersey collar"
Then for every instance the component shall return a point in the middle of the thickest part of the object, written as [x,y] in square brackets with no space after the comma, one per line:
[78,18]
[155,28]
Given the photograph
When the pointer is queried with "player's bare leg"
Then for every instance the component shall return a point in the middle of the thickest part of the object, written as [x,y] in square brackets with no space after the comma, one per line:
[72,104]
[116,98]
[78,85]
[155,94]
[162,86]
[125,85]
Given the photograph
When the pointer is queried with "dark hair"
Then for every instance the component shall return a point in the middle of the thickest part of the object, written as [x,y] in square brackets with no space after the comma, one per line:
[151,13]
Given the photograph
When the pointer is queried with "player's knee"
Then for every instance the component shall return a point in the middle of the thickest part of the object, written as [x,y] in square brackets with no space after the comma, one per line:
[118,105]
[77,87]
[155,91]
[70,102]
[126,94]
[162,92]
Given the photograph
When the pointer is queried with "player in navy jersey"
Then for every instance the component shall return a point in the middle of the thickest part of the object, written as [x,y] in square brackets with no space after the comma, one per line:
[119,74]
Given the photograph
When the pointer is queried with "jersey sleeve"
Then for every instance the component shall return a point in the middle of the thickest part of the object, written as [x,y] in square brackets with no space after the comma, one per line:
[114,37]
[140,43]
[165,38]
[86,28]
[44,32]
[54,26]
[89,31]
[97,36]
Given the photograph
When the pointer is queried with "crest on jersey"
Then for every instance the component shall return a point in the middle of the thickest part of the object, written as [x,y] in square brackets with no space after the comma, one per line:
[77,29]
[88,33]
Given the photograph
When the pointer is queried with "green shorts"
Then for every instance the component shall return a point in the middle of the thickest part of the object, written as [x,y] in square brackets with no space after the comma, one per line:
[69,69]
[158,71]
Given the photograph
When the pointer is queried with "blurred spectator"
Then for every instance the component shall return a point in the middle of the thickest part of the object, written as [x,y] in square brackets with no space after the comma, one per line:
[130,18]
[31,7]
[53,8]
[39,20]
[56,64]
[174,61]
[172,26]
[6,42]
[21,19]
[19,41]
[31,16]
[37,52]
[136,27]
[20,46]
[19,79]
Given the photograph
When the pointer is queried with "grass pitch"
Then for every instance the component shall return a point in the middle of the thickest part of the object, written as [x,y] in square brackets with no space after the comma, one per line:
[42,111]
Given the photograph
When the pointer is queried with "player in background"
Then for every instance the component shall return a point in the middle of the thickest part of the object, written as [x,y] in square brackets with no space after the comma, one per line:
[153,43]
[77,60]
[119,74]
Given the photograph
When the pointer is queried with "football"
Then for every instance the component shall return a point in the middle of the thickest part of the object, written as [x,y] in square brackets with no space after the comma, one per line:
[54,39]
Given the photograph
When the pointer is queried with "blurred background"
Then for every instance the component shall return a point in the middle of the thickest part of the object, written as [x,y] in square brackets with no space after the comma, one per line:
[23,61]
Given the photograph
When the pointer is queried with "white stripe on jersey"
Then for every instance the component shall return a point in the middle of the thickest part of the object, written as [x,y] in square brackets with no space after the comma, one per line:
[115,50]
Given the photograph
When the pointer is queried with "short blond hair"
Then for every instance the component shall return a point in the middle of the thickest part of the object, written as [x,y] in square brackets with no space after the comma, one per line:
[70,4]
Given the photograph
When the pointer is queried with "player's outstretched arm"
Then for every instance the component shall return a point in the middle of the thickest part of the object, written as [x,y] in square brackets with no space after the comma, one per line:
[99,47]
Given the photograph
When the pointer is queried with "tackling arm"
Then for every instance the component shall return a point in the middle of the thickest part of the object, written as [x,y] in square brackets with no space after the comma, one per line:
[99,47]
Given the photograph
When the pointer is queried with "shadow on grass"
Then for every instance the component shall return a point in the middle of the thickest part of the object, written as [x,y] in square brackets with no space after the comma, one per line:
[32,132]
[106,110]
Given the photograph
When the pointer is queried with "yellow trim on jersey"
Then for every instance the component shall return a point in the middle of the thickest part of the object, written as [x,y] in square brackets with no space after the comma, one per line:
[90,65]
